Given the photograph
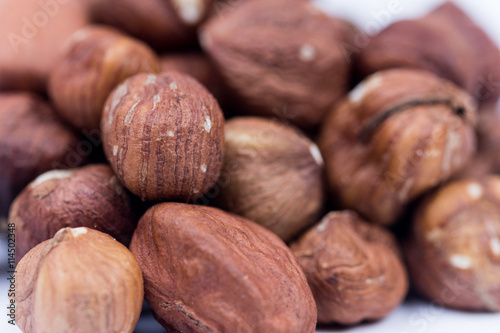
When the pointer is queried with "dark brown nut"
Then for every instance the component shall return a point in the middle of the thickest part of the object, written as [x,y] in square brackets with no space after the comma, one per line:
[90,197]
[209,271]
[274,175]
[94,61]
[32,141]
[32,32]
[432,43]
[354,269]
[398,134]
[454,252]
[165,24]
[164,136]
[82,281]
[200,67]
[281,57]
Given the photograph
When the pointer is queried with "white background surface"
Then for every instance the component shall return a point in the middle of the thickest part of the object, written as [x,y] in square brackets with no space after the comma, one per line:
[415,316]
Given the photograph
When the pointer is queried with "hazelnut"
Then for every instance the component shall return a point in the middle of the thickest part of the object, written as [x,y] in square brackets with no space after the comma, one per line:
[165,24]
[281,58]
[90,197]
[269,169]
[95,60]
[454,252]
[82,281]
[207,270]
[33,141]
[200,67]
[354,269]
[433,43]
[163,135]
[32,33]
[398,134]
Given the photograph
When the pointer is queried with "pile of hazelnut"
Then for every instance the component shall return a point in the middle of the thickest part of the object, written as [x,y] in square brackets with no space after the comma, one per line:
[263,174]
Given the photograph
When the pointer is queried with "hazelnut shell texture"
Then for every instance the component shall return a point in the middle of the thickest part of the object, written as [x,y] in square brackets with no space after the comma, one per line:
[398,134]
[94,61]
[274,175]
[33,140]
[91,196]
[81,280]
[454,252]
[209,271]
[164,24]
[164,136]
[355,269]
[281,58]
[33,32]
[432,43]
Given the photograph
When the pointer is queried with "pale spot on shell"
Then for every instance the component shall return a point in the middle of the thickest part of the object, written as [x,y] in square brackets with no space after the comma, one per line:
[151,79]
[453,143]
[118,95]
[156,100]
[475,191]
[50,175]
[323,225]
[173,85]
[316,154]
[115,150]
[460,261]
[207,125]
[195,191]
[362,89]
[495,246]
[307,52]
[170,133]
[78,231]
[131,113]
[203,167]
[189,11]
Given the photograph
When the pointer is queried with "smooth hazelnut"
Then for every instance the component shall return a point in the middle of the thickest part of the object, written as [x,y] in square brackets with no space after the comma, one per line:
[94,61]
[82,281]
[446,42]
[164,24]
[398,134]
[209,271]
[33,140]
[272,175]
[454,251]
[354,269]
[282,58]
[91,196]
[163,135]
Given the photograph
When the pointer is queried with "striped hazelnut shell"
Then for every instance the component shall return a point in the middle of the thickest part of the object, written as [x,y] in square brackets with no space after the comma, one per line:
[164,136]
[94,61]
[454,250]
[398,134]
[355,269]
[209,271]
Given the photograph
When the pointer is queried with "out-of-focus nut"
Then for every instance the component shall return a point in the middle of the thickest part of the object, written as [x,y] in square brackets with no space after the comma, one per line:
[94,61]
[88,197]
[274,175]
[354,269]
[209,271]
[454,250]
[398,134]
[164,136]
[82,281]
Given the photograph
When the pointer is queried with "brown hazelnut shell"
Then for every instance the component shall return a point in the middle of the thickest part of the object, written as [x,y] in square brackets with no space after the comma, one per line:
[454,251]
[354,269]
[209,271]
[82,281]
[398,134]
[272,174]
[163,136]
[94,61]
[33,140]
[91,196]
[281,58]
